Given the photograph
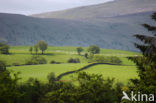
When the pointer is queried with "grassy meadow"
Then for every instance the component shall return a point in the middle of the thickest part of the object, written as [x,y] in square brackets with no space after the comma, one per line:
[119,73]
[41,71]
[19,55]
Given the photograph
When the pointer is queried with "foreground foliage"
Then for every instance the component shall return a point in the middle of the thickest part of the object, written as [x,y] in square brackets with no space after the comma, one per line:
[91,89]
[147,63]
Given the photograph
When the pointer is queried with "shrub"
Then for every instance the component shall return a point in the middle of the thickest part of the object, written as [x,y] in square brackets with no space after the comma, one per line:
[103,59]
[90,57]
[2,66]
[91,89]
[54,62]
[86,55]
[51,77]
[115,60]
[36,60]
[100,59]
[9,88]
[77,60]
[16,64]
[74,60]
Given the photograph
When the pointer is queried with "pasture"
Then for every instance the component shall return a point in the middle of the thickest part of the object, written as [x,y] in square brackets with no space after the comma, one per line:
[41,72]
[19,55]
[119,73]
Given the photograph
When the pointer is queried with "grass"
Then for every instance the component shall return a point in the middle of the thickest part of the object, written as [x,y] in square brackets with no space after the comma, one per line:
[120,73]
[70,49]
[41,71]
[20,54]
[22,58]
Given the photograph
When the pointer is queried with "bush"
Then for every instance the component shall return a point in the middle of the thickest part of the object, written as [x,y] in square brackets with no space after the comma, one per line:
[2,66]
[16,64]
[54,62]
[91,89]
[103,59]
[51,77]
[9,88]
[74,60]
[86,55]
[115,60]
[100,59]
[36,60]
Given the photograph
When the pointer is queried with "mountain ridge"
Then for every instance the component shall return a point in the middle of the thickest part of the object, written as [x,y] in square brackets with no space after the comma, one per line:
[109,9]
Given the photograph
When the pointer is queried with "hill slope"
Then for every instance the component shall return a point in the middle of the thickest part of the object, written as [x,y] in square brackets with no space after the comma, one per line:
[110,9]
[107,25]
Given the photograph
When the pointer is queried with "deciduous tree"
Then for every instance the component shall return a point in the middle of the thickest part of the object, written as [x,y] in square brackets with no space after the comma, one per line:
[31,49]
[36,49]
[94,49]
[42,45]
[79,50]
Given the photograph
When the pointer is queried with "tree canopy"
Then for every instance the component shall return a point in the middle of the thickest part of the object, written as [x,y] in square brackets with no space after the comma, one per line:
[94,49]
[79,50]
[147,62]
[42,45]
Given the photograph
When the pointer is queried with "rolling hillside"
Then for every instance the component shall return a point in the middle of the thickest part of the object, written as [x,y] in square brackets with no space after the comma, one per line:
[109,25]
[110,9]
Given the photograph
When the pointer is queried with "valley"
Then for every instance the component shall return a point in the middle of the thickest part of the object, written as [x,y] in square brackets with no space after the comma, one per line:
[19,54]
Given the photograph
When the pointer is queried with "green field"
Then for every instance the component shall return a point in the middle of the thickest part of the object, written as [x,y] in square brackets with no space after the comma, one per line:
[41,71]
[20,54]
[120,73]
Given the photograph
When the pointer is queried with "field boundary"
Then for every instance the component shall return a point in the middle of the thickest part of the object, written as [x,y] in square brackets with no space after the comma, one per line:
[83,68]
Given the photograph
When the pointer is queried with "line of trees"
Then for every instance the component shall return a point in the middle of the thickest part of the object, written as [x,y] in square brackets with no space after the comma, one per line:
[41,45]
[106,59]
[93,49]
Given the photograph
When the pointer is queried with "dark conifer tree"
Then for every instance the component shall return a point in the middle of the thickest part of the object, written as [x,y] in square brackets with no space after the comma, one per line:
[146,63]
